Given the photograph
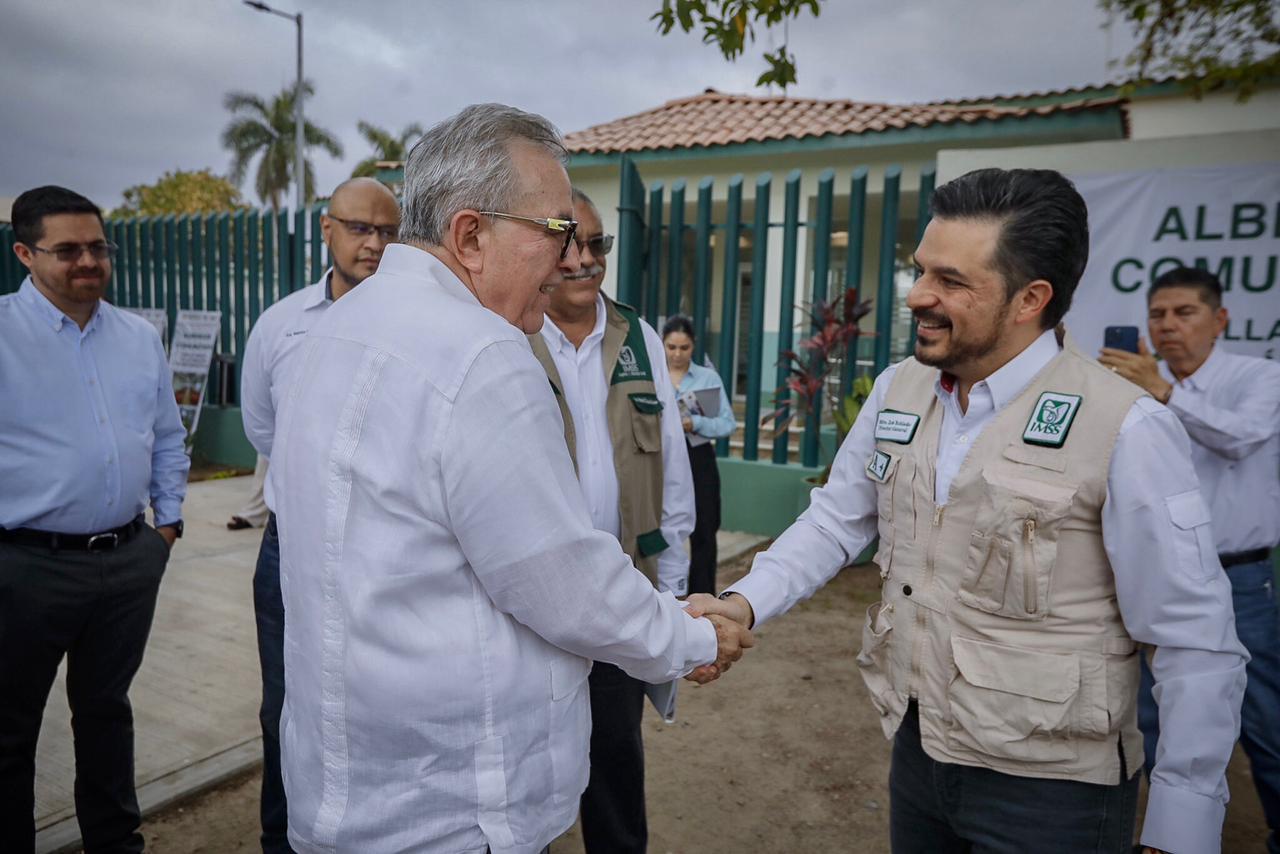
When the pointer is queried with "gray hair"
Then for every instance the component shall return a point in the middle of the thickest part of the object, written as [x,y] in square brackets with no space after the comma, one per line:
[464,163]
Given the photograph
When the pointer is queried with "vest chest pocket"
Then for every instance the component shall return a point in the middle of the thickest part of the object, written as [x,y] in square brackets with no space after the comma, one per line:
[646,421]
[1014,545]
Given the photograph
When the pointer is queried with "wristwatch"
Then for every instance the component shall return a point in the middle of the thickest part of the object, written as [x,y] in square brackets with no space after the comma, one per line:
[177,529]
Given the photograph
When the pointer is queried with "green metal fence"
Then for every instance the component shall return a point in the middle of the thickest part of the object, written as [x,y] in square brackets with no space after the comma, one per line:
[239,263]
[649,278]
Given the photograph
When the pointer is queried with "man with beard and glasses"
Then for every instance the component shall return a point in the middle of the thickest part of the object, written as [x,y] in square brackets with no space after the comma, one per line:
[1039,517]
[622,427]
[89,436]
[362,219]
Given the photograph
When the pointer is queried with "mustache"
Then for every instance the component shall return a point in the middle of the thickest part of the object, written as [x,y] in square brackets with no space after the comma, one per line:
[930,317]
[586,273]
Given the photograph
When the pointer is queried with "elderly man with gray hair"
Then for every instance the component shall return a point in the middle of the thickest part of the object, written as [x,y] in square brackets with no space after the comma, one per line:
[444,587]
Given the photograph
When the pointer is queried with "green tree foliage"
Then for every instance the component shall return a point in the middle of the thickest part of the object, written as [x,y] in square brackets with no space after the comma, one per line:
[730,24]
[1210,43]
[386,146]
[181,192]
[265,129]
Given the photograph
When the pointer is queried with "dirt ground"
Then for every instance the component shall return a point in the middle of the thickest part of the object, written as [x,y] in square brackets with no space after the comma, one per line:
[784,754]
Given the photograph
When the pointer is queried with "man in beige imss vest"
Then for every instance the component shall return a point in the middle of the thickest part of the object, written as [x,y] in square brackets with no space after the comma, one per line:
[609,375]
[1039,517]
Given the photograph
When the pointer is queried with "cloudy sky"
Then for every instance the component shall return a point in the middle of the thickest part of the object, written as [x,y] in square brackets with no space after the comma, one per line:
[103,95]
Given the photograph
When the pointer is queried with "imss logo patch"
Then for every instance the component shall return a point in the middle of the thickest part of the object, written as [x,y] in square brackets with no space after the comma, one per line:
[1051,419]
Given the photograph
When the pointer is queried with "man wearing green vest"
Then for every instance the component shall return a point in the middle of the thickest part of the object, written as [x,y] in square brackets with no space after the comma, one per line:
[1039,517]
[609,374]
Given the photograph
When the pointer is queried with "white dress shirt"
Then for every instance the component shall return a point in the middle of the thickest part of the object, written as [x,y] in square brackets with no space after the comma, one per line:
[444,586]
[269,355]
[586,391]
[1231,409]
[1171,592]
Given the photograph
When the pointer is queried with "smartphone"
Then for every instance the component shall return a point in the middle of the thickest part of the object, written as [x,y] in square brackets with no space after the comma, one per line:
[1121,338]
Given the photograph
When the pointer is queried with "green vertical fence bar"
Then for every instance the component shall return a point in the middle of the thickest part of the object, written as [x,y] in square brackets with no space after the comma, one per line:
[631,236]
[268,261]
[928,177]
[115,291]
[821,269]
[675,250]
[8,262]
[145,255]
[702,270]
[184,262]
[300,249]
[888,257]
[285,254]
[729,298]
[157,262]
[654,265]
[197,262]
[133,254]
[241,256]
[853,267]
[224,279]
[211,262]
[254,231]
[755,331]
[786,308]
[316,243]
[171,269]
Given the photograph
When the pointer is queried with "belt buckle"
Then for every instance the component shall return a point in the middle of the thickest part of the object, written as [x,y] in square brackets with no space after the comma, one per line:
[108,540]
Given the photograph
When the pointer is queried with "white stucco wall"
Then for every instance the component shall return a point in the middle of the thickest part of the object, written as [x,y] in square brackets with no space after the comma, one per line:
[1182,115]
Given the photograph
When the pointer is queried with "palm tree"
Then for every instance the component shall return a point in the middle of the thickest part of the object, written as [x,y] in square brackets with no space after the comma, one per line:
[386,146]
[265,130]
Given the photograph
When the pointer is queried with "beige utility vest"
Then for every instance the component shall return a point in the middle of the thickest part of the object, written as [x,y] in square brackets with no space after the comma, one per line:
[634,415]
[998,611]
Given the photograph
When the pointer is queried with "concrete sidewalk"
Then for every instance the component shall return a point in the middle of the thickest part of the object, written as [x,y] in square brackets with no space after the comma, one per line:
[195,700]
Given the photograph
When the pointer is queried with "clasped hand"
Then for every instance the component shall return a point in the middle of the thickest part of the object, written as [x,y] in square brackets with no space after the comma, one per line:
[732,619]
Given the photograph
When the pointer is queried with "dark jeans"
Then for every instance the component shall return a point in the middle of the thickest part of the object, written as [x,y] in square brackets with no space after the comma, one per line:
[1253,594]
[95,608]
[268,609]
[613,819]
[942,808]
[706,501]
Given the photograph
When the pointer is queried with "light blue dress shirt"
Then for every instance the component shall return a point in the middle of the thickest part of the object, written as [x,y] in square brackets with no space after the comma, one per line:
[89,427]
[700,378]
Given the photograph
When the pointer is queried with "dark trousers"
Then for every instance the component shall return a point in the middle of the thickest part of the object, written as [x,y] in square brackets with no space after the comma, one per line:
[613,819]
[1254,596]
[268,609]
[942,808]
[95,608]
[706,501]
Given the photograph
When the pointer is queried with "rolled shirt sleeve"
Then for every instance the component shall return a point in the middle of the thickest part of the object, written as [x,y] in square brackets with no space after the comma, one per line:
[169,460]
[549,568]
[678,513]
[1173,594]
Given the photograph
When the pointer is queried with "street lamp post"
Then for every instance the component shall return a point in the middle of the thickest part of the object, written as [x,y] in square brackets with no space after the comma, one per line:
[299,161]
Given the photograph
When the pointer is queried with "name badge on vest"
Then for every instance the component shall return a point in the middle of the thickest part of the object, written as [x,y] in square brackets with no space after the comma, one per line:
[893,426]
[1051,419]
[878,466]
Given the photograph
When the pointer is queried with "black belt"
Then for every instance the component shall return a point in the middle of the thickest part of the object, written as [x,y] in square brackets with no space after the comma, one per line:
[1237,558]
[104,541]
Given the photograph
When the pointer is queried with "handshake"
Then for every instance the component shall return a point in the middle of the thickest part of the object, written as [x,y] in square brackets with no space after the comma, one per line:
[733,618]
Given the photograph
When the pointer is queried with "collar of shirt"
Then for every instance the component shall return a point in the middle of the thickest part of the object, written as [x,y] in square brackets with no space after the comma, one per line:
[1007,382]
[323,296]
[49,312]
[401,259]
[557,340]
[1202,379]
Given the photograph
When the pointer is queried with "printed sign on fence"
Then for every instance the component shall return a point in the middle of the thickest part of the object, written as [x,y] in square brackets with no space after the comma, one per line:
[195,334]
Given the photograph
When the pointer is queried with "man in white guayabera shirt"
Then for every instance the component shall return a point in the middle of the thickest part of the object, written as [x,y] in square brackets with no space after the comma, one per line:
[444,585]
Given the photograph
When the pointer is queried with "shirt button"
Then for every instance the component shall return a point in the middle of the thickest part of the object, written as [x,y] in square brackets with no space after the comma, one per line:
[962,438]
[906,590]
[102,419]
[111,501]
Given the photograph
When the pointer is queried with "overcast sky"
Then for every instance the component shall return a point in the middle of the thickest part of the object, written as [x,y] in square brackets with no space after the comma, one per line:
[100,96]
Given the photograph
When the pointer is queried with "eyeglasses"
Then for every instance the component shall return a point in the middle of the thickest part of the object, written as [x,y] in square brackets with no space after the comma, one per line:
[69,253]
[599,245]
[556,226]
[388,233]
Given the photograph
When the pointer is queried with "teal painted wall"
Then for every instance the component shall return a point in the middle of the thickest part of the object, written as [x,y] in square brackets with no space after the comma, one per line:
[761,498]
[220,438]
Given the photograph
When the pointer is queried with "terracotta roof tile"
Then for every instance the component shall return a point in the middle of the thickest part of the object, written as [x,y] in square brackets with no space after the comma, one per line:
[715,118]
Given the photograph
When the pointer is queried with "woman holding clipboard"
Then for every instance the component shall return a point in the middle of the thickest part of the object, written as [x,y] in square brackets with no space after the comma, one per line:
[706,414]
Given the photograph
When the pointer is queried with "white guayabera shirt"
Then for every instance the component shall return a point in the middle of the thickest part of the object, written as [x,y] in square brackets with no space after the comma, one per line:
[443,584]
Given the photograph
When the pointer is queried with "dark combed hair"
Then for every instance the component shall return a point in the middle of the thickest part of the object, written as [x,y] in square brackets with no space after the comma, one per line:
[678,323]
[1044,227]
[30,209]
[1202,280]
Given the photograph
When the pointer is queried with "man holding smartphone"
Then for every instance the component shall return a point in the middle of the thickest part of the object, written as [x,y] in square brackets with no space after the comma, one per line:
[1230,407]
